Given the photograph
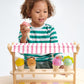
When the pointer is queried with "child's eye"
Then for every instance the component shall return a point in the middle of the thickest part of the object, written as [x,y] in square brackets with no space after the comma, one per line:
[37,12]
[45,11]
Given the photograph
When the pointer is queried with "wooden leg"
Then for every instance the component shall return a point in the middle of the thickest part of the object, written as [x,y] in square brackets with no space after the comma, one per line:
[74,65]
[13,63]
[14,79]
[74,68]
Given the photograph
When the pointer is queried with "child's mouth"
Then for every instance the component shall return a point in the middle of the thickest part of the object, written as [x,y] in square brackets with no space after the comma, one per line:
[41,20]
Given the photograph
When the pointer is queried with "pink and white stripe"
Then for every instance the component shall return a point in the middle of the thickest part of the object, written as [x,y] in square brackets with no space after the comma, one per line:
[43,48]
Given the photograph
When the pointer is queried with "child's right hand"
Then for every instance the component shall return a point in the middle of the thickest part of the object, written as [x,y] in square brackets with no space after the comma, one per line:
[24,30]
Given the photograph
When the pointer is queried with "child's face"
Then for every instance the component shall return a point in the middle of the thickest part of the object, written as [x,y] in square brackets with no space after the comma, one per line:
[39,13]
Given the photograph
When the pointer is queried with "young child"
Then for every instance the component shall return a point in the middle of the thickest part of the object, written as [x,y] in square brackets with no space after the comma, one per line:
[38,11]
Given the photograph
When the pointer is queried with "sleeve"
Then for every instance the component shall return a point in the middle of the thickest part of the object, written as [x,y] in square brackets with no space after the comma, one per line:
[53,36]
[19,37]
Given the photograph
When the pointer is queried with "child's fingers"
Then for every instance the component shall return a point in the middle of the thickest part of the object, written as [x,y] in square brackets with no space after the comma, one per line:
[22,27]
[27,29]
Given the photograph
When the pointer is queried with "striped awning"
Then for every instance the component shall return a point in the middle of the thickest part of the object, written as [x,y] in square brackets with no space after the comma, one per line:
[43,48]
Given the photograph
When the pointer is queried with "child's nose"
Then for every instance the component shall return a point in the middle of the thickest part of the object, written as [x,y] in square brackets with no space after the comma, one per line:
[41,14]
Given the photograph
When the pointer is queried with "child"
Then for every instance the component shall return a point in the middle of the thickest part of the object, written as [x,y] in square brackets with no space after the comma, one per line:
[38,11]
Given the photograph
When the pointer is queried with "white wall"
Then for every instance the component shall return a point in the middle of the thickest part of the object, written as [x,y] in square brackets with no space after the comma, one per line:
[68,22]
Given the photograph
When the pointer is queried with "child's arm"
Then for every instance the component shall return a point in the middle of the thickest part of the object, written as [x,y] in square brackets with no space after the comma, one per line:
[53,36]
[54,39]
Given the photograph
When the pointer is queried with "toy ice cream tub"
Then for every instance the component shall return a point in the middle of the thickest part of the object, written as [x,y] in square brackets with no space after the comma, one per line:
[68,61]
[56,63]
[20,64]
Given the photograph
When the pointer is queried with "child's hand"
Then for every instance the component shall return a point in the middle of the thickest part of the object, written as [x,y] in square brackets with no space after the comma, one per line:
[24,30]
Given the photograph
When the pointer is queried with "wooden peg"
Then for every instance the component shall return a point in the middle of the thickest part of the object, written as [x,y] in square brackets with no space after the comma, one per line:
[77,48]
[9,48]
[33,75]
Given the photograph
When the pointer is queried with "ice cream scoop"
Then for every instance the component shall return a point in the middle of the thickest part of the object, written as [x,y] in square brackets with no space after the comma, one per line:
[28,26]
[19,62]
[57,61]
[67,62]
[31,62]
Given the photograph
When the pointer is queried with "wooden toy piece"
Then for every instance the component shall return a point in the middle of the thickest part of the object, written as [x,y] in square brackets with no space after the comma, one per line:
[20,64]
[33,71]
[56,63]
[28,26]
[54,75]
[74,64]
[21,83]
[9,48]
[13,62]
[31,63]
[68,61]
[33,75]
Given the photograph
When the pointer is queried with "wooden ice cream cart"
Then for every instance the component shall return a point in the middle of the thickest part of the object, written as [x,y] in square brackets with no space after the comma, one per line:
[43,76]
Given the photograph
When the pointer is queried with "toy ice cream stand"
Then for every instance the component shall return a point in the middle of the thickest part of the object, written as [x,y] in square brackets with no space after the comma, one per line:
[45,76]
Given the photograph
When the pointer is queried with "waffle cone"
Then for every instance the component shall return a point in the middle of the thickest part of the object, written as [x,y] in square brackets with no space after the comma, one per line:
[32,68]
[55,68]
[20,68]
[67,68]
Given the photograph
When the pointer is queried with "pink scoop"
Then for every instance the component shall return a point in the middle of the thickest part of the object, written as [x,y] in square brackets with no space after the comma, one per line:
[26,24]
[56,61]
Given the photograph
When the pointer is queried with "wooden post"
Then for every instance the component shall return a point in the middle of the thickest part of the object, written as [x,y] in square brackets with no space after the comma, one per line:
[74,64]
[13,62]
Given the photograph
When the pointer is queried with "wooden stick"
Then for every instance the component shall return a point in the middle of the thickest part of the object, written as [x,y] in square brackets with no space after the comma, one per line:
[74,64]
[9,48]
[54,75]
[13,62]
[33,75]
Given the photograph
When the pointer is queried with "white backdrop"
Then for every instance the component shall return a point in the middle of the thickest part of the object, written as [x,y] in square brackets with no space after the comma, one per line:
[68,22]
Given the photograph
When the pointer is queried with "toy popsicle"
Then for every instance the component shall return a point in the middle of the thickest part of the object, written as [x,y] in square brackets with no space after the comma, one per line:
[28,26]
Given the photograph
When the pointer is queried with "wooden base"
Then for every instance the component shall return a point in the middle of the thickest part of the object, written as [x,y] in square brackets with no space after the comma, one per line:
[42,71]
[42,82]
[44,76]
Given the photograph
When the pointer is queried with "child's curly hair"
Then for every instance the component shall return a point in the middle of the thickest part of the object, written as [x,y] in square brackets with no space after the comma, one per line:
[28,5]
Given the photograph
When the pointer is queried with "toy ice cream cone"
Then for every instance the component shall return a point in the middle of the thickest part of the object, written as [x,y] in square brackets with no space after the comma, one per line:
[56,63]
[32,68]
[31,64]
[20,68]
[67,68]
[67,63]
[55,68]
[20,64]
[28,26]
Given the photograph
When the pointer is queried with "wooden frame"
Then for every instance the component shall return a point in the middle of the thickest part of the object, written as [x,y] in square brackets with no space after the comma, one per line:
[43,71]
